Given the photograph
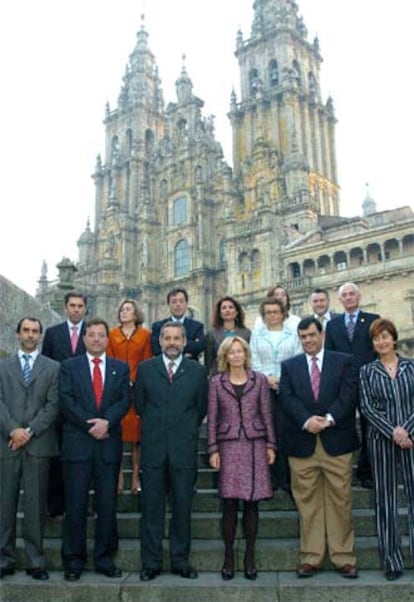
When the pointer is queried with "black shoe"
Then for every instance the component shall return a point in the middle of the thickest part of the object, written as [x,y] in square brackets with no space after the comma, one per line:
[148,574]
[112,571]
[250,571]
[6,570]
[187,572]
[251,574]
[226,573]
[38,573]
[367,483]
[393,575]
[72,575]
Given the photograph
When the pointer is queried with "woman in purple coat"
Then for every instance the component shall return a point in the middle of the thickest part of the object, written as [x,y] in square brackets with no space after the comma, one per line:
[241,445]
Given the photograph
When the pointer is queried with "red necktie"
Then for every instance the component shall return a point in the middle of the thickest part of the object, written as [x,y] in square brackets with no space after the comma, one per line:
[170,371]
[97,381]
[74,339]
[315,377]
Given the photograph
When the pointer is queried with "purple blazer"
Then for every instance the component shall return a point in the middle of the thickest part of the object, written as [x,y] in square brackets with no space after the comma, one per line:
[227,416]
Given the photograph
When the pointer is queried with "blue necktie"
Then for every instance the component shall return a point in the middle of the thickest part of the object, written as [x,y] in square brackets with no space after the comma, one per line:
[26,367]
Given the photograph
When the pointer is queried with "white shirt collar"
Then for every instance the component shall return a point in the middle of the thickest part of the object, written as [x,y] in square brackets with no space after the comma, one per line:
[176,362]
[319,357]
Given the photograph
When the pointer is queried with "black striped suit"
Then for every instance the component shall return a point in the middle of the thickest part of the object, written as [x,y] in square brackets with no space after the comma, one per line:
[387,403]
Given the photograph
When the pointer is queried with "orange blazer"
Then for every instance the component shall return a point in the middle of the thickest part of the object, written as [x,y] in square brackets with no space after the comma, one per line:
[133,350]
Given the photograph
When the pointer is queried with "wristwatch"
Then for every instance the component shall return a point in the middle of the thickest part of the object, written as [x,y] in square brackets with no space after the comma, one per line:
[29,431]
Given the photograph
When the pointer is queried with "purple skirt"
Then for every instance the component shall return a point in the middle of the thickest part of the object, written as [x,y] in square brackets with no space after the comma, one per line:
[244,472]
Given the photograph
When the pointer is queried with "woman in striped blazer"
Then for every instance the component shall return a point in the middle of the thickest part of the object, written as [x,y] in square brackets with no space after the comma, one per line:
[387,401]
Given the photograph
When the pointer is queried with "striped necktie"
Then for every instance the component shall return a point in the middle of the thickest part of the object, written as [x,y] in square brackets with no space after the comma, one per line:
[170,371]
[26,367]
[351,327]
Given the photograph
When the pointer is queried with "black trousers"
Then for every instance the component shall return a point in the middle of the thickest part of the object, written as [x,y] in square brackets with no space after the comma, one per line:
[280,471]
[158,483]
[78,477]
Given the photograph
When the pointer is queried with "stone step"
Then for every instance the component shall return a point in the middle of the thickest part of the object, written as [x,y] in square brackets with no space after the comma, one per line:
[328,586]
[273,524]
[207,554]
[207,500]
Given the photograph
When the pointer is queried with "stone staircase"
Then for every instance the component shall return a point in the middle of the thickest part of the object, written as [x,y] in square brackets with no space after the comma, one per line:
[276,557]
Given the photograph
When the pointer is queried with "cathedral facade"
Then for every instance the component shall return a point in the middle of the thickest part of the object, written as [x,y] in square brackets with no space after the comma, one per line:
[169,211]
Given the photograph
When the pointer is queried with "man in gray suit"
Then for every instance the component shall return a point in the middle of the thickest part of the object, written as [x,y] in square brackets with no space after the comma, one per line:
[28,412]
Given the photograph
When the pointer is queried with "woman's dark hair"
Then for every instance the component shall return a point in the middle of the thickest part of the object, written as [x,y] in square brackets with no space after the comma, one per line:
[217,321]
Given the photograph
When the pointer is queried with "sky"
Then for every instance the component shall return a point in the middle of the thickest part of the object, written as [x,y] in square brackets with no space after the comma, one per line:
[61,61]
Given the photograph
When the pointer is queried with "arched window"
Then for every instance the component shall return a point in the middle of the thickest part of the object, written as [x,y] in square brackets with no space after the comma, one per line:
[149,142]
[254,81]
[311,84]
[180,211]
[182,258]
[340,261]
[128,138]
[273,73]
[296,71]
[114,148]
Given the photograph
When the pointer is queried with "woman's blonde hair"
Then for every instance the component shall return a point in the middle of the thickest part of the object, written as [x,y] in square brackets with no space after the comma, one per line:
[223,364]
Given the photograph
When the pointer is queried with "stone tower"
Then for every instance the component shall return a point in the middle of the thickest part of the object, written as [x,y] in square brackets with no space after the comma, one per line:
[169,211]
[160,193]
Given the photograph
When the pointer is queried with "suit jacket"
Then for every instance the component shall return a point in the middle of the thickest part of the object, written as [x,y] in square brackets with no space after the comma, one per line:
[336,337]
[77,404]
[196,341]
[226,420]
[57,345]
[171,413]
[33,404]
[337,396]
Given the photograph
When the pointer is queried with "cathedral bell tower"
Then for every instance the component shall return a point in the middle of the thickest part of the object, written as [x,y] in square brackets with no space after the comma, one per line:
[123,211]
[283,133]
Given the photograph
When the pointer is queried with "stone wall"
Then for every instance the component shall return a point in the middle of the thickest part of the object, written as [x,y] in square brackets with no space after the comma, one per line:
[16,303]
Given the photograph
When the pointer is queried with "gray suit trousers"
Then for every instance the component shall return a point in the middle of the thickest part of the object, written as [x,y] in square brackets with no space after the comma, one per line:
[32,473]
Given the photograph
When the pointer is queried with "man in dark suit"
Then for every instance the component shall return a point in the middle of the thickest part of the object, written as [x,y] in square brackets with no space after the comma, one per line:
[349,332]
[61,342]
[28,412]
[318,393]
[94,396]
[171,398]
[177,300]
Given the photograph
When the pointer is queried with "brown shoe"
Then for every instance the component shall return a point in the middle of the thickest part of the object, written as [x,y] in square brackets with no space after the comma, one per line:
[349,571]
[306,570]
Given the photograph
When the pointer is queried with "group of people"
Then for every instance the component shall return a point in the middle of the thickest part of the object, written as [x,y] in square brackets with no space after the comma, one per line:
[281,402]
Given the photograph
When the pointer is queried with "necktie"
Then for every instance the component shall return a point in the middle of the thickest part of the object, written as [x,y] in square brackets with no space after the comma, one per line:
[74,338]
[351,327]
[97,381]
[315,377]
[26,367]
[170,371]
